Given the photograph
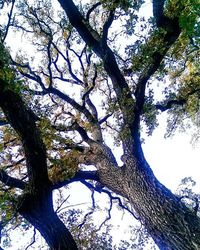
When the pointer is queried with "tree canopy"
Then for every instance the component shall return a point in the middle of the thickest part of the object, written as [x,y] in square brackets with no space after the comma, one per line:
[80,79]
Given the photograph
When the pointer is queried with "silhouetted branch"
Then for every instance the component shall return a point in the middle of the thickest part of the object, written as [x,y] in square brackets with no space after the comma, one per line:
[119,202]
[14,164]
[9,20]
[23,120]
[170,104]
[108,217]
[158,8]
[106,27]
[79,176]
[58,209]
[91,10]
[11,181]
[73,103]
[92,187]
[92,208]
[33,239]
[104,119]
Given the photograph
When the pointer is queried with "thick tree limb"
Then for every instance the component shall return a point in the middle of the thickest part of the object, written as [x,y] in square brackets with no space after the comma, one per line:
[158,8]
[106,27]
[38,210]
[11,181]
[78,21]
[36,205]
[92,9]
[23,121]
[79,176]
[170,104]
[179,102]
[172,32]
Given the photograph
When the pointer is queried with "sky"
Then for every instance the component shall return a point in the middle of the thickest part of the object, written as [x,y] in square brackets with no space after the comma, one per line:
[173,158]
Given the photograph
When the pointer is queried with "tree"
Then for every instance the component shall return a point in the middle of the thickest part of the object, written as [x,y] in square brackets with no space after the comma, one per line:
[60,128]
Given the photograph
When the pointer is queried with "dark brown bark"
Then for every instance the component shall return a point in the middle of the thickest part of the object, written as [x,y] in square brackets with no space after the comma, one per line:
[23,120]
[38,210]
[36,203]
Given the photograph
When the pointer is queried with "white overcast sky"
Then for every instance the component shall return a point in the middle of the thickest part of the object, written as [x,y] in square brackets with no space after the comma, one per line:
[173,158]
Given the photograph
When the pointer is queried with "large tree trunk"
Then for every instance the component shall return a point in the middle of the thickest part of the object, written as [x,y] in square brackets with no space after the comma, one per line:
[38,210]
[171,224]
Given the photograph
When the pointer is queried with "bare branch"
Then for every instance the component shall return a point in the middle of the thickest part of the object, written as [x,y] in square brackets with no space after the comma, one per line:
[32,75]
[106,27]
[119,202]
[66,58]
[73,103]
[49,63]
[58,209]
[82,132]
[108,217]
[9,21]
[91,10]
[33,239]
[14,164]
[35,77]
[92,209]
[111,197]
[104,119]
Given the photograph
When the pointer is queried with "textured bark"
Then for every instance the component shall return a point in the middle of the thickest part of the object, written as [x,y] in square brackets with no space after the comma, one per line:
[170,223]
